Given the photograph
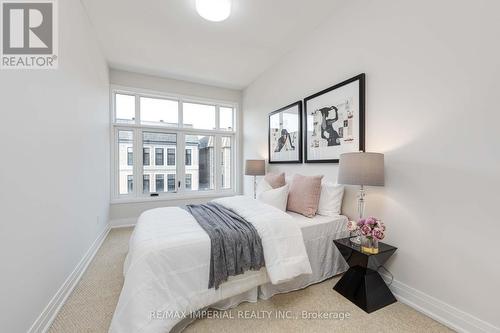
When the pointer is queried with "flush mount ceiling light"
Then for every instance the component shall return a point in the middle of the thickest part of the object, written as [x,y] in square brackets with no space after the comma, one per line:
[214,10]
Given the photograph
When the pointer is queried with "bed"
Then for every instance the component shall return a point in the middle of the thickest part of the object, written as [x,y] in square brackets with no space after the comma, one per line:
[167,267]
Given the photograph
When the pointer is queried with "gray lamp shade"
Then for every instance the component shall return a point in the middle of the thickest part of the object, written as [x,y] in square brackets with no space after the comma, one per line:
[361,169]
[255,167]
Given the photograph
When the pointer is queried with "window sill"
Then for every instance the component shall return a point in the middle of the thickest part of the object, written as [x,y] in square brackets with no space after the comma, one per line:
[173,197]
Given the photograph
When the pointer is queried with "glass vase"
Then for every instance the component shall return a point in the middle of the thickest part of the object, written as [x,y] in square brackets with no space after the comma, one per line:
[369,245]
[355,237]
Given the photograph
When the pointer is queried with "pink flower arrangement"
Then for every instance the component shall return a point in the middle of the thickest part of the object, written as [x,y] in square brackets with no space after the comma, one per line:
[369,227]
[352,226]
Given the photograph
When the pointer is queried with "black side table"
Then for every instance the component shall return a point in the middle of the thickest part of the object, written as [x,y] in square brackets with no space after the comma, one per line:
[362,284]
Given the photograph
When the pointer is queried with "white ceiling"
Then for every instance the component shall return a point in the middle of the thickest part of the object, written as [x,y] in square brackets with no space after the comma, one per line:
[168,38]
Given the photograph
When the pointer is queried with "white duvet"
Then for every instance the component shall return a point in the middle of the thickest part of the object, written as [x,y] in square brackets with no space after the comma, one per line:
[167,267]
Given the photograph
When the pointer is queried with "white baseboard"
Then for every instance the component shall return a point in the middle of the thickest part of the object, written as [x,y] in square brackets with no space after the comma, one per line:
[43,322]
[123,223]
[440,311]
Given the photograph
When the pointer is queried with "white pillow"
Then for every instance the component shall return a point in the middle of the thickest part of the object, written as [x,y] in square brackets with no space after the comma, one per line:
[330,201]
[277,197]
[262,187]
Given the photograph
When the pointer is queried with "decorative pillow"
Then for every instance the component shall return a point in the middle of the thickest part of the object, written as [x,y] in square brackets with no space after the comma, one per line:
[276,197]
[262,187]
[304,195]
[275,179]
[330,201]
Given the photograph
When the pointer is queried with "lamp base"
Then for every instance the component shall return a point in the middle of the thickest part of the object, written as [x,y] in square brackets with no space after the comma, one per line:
[361,202]
[255,187]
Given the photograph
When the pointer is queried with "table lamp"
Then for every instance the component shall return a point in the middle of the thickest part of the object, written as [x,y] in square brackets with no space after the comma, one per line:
[255,168]
[363,169]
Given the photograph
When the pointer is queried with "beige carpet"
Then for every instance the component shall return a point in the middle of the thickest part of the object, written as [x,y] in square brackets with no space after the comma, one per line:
[90,307]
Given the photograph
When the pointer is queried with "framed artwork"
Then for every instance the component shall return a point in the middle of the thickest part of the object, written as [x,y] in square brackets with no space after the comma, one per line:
[335,121]
[285,134]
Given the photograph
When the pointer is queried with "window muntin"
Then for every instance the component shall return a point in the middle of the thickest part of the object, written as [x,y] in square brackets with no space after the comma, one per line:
[124,108]
[157,111]
[200,116]
[125,143]
[221,124]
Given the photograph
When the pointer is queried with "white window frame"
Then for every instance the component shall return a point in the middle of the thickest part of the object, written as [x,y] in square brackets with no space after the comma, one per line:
[137,128]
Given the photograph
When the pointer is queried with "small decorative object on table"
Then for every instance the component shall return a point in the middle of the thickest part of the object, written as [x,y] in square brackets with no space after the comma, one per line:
[355,234]
[371,230]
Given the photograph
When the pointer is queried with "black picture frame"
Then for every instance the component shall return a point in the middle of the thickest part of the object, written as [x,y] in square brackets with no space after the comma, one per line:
[361,117]
[297,104]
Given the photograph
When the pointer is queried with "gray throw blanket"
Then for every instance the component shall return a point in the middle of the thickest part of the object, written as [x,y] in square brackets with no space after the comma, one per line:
[235,244]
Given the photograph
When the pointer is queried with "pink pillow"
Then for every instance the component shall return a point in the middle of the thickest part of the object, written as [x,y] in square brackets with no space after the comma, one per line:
[304,195]
[276,180]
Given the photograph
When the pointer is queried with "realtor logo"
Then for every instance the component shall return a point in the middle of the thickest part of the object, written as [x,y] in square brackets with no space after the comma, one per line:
[29,34]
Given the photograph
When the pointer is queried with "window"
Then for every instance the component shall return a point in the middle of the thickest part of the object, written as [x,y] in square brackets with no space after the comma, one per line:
[159,126]
[160,183]
[199,116]
[146,156]
[171,156]
[145,184]
[156,111]
[125,140]
[161,141]
[130,156]
[130,183]
[158,156]
[189,153]
[124,108]
[226,118]
[171,182]
[226,161]
[204,170]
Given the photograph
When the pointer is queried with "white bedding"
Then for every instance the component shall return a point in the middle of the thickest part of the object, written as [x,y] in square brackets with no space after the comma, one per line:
[320,225]
[326,261]
[284,250]
[167,267]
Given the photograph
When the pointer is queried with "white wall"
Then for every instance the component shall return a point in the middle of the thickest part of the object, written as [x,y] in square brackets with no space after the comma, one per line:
[54,193]
[127,213]
[166,85]
[432,107]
